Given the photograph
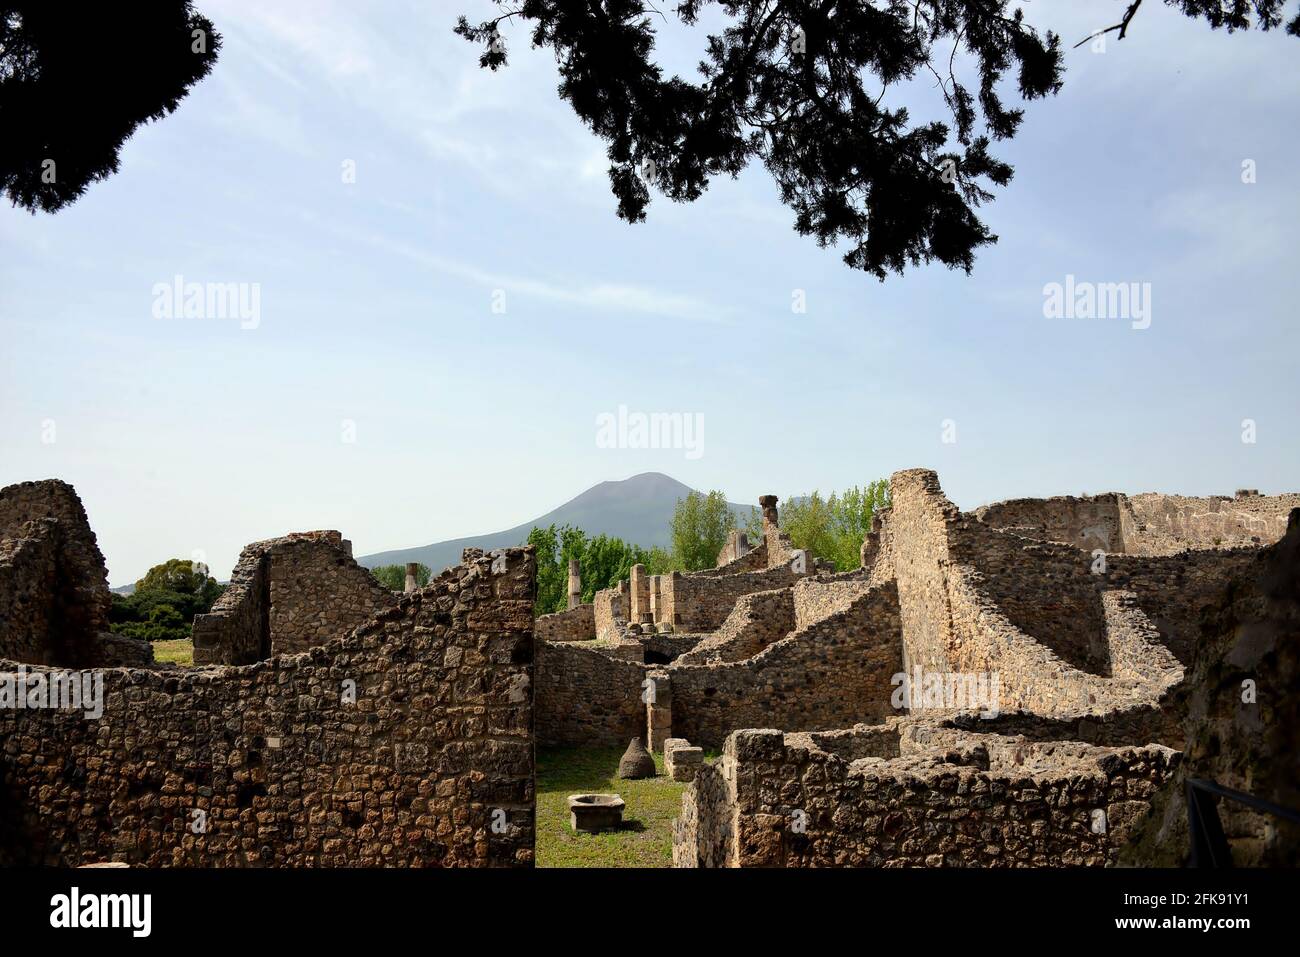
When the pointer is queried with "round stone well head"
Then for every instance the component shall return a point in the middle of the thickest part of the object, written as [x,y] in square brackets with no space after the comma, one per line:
[595,812]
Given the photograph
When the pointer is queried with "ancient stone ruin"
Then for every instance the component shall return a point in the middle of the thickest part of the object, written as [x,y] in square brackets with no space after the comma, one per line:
[1026,684]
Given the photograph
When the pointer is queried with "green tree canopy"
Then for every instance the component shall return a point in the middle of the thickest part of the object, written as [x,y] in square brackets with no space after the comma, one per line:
[165,601]
[76,83]
[700,527]
[831,528]
[815,92]
[604,561]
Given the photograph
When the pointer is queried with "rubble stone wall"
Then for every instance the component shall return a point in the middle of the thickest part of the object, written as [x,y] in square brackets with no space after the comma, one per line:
[834,673]
[700,602]
[286,595]
[54,597]
[756,621]
[1085,522]
[576,624]
[1170,523]
[586,698]
[395,745]
[973,801]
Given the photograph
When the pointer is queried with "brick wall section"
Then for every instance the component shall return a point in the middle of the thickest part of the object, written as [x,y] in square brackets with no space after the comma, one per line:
[286,595]
[834,673]
[54,597]
[976,802]
[289,773]
[586,698]
[576,624]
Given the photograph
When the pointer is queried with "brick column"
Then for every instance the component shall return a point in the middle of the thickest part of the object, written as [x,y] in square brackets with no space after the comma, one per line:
[412,583]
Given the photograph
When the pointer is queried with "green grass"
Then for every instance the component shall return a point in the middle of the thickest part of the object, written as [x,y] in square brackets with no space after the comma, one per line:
[179,652]
[646,839]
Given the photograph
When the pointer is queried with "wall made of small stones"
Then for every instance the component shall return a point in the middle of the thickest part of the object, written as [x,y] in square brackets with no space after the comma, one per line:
[54,597]
[834,673]
[408,742]
[317,592]
[587,698]
[756,621]
[1085,522]
[783,800]
[1166,524]
[702,602]
[286,595]
[28,584]
[575,624]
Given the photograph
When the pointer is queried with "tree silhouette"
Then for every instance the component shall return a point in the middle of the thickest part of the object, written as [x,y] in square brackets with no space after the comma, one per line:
[76,81]
[786,83]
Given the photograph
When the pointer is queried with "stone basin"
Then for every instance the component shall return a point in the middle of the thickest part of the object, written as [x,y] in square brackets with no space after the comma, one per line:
[592,813]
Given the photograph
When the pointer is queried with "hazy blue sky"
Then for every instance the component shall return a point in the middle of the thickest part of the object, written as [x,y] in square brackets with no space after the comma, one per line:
[376,298]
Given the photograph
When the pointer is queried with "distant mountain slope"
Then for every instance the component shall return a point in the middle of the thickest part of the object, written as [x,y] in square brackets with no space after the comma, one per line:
[637,510]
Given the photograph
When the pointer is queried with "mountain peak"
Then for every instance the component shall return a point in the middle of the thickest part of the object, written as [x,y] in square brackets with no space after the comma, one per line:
[637,509]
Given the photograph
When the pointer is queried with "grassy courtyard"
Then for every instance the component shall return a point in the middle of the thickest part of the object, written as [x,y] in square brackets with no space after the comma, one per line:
[646,839]
[179,652]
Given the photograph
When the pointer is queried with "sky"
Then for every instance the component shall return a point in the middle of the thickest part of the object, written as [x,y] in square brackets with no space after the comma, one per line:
[438,335]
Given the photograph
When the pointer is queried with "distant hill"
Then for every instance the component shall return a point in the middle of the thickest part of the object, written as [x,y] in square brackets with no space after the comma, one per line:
[637,510]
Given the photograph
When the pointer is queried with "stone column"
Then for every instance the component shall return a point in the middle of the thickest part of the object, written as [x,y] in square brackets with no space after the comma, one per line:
[575,583]
[640,596]
[412,583]
[659,711]
[656,599]
[768,504]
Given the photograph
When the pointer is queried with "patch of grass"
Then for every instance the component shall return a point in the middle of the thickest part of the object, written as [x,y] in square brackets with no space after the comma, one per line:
[178,652]
[646,839]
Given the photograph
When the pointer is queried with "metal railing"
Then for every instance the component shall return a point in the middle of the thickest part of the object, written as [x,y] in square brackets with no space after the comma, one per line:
[1209,846]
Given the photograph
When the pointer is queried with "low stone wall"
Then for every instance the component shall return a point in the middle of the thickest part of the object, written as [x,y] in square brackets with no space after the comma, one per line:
[834,673]
[756,621]
[587,698]
[825,595]
[576,624]
[864,798]
[408,742]
[701,602]
[287,595]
